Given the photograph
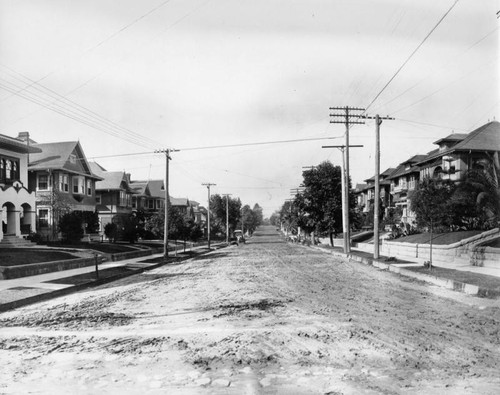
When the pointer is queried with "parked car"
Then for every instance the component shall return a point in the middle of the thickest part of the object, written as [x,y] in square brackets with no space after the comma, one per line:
[237,237]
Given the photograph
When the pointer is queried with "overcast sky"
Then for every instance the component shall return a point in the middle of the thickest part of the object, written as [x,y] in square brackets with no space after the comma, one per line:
[197,73]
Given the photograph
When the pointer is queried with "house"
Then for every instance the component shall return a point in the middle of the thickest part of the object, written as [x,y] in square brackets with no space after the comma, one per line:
[365,193]
[403,180]
[455,155]
[183,205]
[199,212]
[458,153]
[148,196]
[17,201]
[62,180]
[113,194]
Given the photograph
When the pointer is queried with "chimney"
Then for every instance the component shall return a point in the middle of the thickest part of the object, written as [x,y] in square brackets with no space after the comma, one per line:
[24,136]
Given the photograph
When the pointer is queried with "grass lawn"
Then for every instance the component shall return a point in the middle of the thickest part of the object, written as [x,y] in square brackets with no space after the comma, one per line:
[26,256]
[439,238]
[481,280]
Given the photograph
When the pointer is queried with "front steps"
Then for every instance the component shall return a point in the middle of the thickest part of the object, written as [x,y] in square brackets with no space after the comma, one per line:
[12,241]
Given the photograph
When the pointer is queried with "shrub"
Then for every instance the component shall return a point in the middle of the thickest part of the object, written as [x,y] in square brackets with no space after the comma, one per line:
[71,227]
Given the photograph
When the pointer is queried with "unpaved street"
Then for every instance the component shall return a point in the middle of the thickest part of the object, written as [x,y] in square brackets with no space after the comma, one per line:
[265,317]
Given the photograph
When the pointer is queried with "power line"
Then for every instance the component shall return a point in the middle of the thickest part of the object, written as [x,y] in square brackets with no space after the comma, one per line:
[84,110]
[411,55]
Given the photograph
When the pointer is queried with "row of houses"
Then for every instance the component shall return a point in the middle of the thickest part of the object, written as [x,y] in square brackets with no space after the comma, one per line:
[453,157]
[40,182]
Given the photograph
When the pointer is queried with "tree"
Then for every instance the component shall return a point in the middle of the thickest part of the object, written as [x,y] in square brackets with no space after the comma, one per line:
[111,231]
[430,203]
[476,201]
[71,227]
[323,198]
[218,210]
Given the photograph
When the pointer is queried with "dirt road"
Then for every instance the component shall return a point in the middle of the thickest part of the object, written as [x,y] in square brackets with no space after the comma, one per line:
[265,317]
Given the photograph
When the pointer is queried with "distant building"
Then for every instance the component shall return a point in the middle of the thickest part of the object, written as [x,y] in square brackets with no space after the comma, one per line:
[149,196]
[113,194]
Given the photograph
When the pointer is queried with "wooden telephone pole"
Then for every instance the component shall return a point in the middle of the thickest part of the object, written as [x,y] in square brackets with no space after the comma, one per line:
[167,198]
[347,116]
[208,185]
[376,208]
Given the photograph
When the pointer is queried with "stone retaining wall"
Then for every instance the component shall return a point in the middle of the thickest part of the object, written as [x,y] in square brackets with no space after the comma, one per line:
[464,252]
[10,272]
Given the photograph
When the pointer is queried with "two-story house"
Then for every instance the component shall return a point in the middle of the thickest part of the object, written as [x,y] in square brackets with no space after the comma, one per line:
[17,202]
[149,196]
[404,179]
[458,153]
[113,194]
[365,193]
[63,182]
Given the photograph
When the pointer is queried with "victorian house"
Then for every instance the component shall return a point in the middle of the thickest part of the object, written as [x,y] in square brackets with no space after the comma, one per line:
[63,182]
[17,202]
[149,196]
[113,194]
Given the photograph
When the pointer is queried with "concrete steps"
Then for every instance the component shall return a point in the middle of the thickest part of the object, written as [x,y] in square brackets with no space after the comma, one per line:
[12,241]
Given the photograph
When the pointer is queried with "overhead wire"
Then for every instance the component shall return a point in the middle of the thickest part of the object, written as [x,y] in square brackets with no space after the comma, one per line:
[69,113]
[77,107]
[411,55]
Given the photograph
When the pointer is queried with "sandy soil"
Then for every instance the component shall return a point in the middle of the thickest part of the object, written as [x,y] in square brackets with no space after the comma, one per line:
[266,317]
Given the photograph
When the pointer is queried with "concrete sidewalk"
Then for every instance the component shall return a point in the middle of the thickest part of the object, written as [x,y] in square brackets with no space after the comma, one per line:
[26,290]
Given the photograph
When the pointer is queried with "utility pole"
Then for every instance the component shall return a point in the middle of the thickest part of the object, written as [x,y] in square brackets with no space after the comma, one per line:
[376,215]
[345,197]
[350,116]
[208,185]
[167,198]
[227,216]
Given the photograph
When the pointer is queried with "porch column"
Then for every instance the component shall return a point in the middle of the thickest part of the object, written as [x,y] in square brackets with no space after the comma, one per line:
[14,222]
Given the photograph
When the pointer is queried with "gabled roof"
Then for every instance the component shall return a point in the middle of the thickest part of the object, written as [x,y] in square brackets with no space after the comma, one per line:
[56,156]
[112,180]
[156,188]
[16,145]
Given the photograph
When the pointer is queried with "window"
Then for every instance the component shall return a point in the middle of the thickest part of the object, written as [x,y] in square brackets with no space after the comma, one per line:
[79,185]
[134,202]
[89,187]
[72,158]
[151,204]
[63,182]
[123,198]
[98,199]
[43,182]
[43,218]
[9,169]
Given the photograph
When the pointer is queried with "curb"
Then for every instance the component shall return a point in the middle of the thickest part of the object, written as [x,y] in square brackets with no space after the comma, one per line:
[453,285]
[75,288]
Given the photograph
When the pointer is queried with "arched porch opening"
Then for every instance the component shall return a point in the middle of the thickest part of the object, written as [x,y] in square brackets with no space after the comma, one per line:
[10,220]
[28,219]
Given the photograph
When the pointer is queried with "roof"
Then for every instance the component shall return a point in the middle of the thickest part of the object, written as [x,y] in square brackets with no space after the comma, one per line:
[386,173]
[140,187]
[156,188]
[16,145]
[112,180]
[179,201]
[56,156]
[484,138]
[452,137]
